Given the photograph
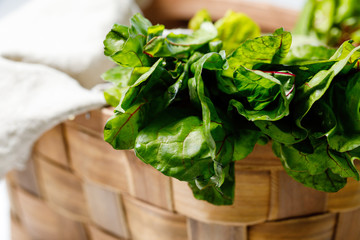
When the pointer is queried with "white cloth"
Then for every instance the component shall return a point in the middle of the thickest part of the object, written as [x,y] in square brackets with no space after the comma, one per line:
[48,47]
[64,34]
[34,98]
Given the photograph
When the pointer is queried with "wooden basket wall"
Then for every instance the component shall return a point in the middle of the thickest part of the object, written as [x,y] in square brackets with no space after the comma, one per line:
[77,187]
[176,13]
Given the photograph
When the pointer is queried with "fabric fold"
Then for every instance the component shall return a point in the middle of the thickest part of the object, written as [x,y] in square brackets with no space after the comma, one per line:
[64,34]
[35,98]
[50,52]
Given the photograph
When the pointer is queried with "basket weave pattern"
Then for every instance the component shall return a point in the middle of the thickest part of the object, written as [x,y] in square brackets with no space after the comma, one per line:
[77,187]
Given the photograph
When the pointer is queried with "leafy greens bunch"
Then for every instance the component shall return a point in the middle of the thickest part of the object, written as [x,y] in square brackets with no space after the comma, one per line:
[331,21]
[191,105]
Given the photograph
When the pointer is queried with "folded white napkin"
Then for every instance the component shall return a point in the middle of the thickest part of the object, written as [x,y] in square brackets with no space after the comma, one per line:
[37,39]
[34,98]
[64,34]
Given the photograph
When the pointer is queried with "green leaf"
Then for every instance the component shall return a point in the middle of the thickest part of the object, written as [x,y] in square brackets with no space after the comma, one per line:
[314,89]
[244,143]
[323,170]
[342,164]
[176,97]
[276,147]
[267,94]
[210,61]
[138,77]
[303,73]
[201,16]
[320,120]
[155,31]
[344,50]
[354,154]
[131,54]
[176,145]
[355,36]
[122,129]
[215,46]
[125,44]
[115,39]
[314,163]
[209,191]
[265,49]
[324,16]
[345,102]
[330,21]
[234,28]
[139,25]
[345,9]
[307,54]
[119,76]
[182,82]
[326,181]
[283,131]
[180,45]
[226,84]
[145,102]
[304,23]
[318,162]
[112,96]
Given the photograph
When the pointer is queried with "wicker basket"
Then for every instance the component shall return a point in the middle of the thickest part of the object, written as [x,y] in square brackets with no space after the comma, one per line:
[176,13]
[77,187]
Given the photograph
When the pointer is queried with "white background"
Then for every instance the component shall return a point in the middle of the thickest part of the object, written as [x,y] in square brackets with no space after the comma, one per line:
[4,212]
[6,6]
